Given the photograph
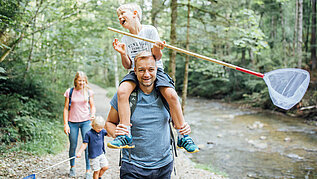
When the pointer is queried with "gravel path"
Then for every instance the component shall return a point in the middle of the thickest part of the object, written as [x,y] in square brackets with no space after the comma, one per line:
[19,165]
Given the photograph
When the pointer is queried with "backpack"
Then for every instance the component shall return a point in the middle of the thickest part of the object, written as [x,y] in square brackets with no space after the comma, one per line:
[132,102]
[70,97]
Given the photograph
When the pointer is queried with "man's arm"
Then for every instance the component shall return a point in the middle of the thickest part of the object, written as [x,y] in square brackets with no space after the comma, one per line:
[112,124]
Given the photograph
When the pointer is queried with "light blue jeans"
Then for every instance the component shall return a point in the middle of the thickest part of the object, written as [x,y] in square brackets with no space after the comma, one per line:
[73,138]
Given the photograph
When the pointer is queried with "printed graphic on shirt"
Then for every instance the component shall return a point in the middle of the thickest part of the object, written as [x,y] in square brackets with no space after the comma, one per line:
[137,47]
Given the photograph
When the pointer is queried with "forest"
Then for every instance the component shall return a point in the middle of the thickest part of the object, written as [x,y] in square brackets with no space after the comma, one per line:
[44,42]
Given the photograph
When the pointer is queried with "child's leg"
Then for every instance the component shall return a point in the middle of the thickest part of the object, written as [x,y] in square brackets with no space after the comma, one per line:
[96,174]
[124,91]
[171,97]
[102,171]
[184,141]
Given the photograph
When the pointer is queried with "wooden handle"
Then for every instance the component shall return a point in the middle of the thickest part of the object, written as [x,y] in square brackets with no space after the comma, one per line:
[190,53]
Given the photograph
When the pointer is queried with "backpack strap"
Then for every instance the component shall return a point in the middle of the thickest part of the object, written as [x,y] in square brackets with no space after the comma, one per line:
[70,97]
[133,99]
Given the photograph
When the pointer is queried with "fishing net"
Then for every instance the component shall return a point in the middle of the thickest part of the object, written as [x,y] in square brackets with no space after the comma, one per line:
[287,86]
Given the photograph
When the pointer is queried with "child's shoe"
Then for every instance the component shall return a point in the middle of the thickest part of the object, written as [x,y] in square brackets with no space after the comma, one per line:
[188,144]
[121,141]
[72,172]
[88,175]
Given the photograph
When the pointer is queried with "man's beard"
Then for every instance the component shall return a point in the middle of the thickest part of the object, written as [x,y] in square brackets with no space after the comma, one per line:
[146,85]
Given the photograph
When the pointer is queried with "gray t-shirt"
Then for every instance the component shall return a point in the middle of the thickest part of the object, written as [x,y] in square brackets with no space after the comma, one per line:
[150,132]
[135,46]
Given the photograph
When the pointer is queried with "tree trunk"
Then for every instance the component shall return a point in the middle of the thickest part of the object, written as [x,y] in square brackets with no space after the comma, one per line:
[154,11]
[31,50]
[300,32]
[185,83]
[105,73]
[243,56]
[252,57]
[28,67]
[313,36]
[172,63]
[295,28]
[7,52]
[283,35]
[307,10]
[272,34]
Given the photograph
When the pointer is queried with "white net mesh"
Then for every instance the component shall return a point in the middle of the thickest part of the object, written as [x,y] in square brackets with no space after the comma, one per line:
[287,86]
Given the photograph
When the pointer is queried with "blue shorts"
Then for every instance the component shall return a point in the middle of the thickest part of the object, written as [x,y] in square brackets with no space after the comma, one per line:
[130,171]
[162,79]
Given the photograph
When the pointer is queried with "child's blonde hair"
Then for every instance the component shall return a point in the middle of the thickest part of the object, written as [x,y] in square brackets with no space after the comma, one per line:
[98,121]
[131,7]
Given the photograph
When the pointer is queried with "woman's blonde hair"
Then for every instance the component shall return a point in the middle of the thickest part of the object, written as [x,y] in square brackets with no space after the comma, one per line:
[131,7]
[98,121]
[86,87]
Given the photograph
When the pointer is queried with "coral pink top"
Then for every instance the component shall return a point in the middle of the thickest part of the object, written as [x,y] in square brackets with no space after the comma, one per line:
[79,110]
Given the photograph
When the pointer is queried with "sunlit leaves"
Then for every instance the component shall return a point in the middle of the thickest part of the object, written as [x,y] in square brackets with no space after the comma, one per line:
[246,31]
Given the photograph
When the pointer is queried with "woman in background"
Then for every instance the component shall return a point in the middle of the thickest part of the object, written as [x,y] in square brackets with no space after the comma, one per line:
[79,109]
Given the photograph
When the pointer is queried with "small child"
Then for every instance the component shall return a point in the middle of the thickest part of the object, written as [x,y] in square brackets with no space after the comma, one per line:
[130,18]
[94,139]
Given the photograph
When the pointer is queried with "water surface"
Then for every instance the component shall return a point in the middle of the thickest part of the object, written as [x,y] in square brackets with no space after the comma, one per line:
[248,144]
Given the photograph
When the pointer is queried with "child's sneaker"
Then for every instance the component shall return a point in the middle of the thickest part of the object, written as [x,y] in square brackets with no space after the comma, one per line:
[121,141]
[72,172]
[188,144]
[88,175]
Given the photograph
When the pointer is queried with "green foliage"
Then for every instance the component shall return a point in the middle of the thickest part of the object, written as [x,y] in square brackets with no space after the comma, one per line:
[28,115]
[9,13]
[246,32]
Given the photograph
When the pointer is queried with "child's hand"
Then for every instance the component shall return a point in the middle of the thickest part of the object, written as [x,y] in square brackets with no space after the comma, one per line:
[160,44]
[119,47]
[78,155]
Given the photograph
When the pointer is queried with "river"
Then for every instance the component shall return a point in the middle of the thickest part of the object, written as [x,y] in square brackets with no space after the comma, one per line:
[250,144]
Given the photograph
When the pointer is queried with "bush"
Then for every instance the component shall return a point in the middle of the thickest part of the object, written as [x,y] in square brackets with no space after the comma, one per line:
[29,115]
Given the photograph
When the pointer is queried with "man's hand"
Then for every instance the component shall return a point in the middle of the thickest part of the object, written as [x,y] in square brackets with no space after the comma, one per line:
[119,47]
[121,130]
[185,130]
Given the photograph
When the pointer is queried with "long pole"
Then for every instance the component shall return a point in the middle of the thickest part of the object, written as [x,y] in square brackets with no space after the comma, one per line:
[191,53]
[55,165]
